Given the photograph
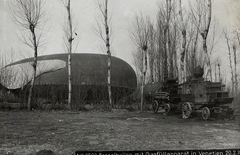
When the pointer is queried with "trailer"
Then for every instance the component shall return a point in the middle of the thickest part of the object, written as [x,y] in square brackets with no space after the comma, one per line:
[166,95]
[207,98]
[195,96]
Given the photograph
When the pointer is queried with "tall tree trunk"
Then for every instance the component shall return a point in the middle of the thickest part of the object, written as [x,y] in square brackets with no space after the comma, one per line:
[32,29]
[170,50]
[70,39]
[159,59]
[109,54]
[151,51]
[194,53]
[215,69]
[174,53]
[204,35]
[219,73]
[235,69]
[165,57]
[165,40]
[144,74]
[184,42]
[230,62]
[151,65]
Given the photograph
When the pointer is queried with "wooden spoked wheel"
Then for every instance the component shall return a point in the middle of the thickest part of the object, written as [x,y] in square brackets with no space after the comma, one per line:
[186,109]
[167,109]
[155,106]
[205,113]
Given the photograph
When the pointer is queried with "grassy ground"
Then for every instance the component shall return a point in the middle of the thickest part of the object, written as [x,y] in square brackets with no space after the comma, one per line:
[23,133]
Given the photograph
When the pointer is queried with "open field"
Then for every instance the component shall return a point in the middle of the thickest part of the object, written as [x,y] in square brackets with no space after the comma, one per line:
[23,132]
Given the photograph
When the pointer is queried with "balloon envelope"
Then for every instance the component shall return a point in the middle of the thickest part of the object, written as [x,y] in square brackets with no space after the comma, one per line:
[87,70]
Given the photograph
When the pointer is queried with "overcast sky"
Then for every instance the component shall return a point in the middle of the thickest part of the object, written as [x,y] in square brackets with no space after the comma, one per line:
[85,12]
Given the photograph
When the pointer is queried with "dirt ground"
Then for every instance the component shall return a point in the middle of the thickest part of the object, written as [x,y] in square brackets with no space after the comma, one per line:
[25,133]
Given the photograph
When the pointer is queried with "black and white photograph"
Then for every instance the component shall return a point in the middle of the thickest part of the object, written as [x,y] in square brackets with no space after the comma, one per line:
[119,77]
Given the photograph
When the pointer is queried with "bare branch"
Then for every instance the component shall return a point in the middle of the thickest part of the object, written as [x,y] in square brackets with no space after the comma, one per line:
[30,15]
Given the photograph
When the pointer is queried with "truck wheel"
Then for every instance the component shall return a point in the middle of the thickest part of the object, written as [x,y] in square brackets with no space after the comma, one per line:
[186,110]
[205,113]
[155,106]
[167,108]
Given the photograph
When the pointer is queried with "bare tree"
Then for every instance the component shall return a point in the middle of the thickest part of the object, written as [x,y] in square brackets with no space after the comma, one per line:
[203,17]
[189,42]
[228,41]
[213,40]
[231,41]
[152,50]
[193,43]
[232,52]
[160,55]
[173,42]
[193,56]
[205,30]
[165,16]
[139,34]
[31,16]
[105,21]
[236,12]
[236,46]
[184,39]
[69,33]
[166,36]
